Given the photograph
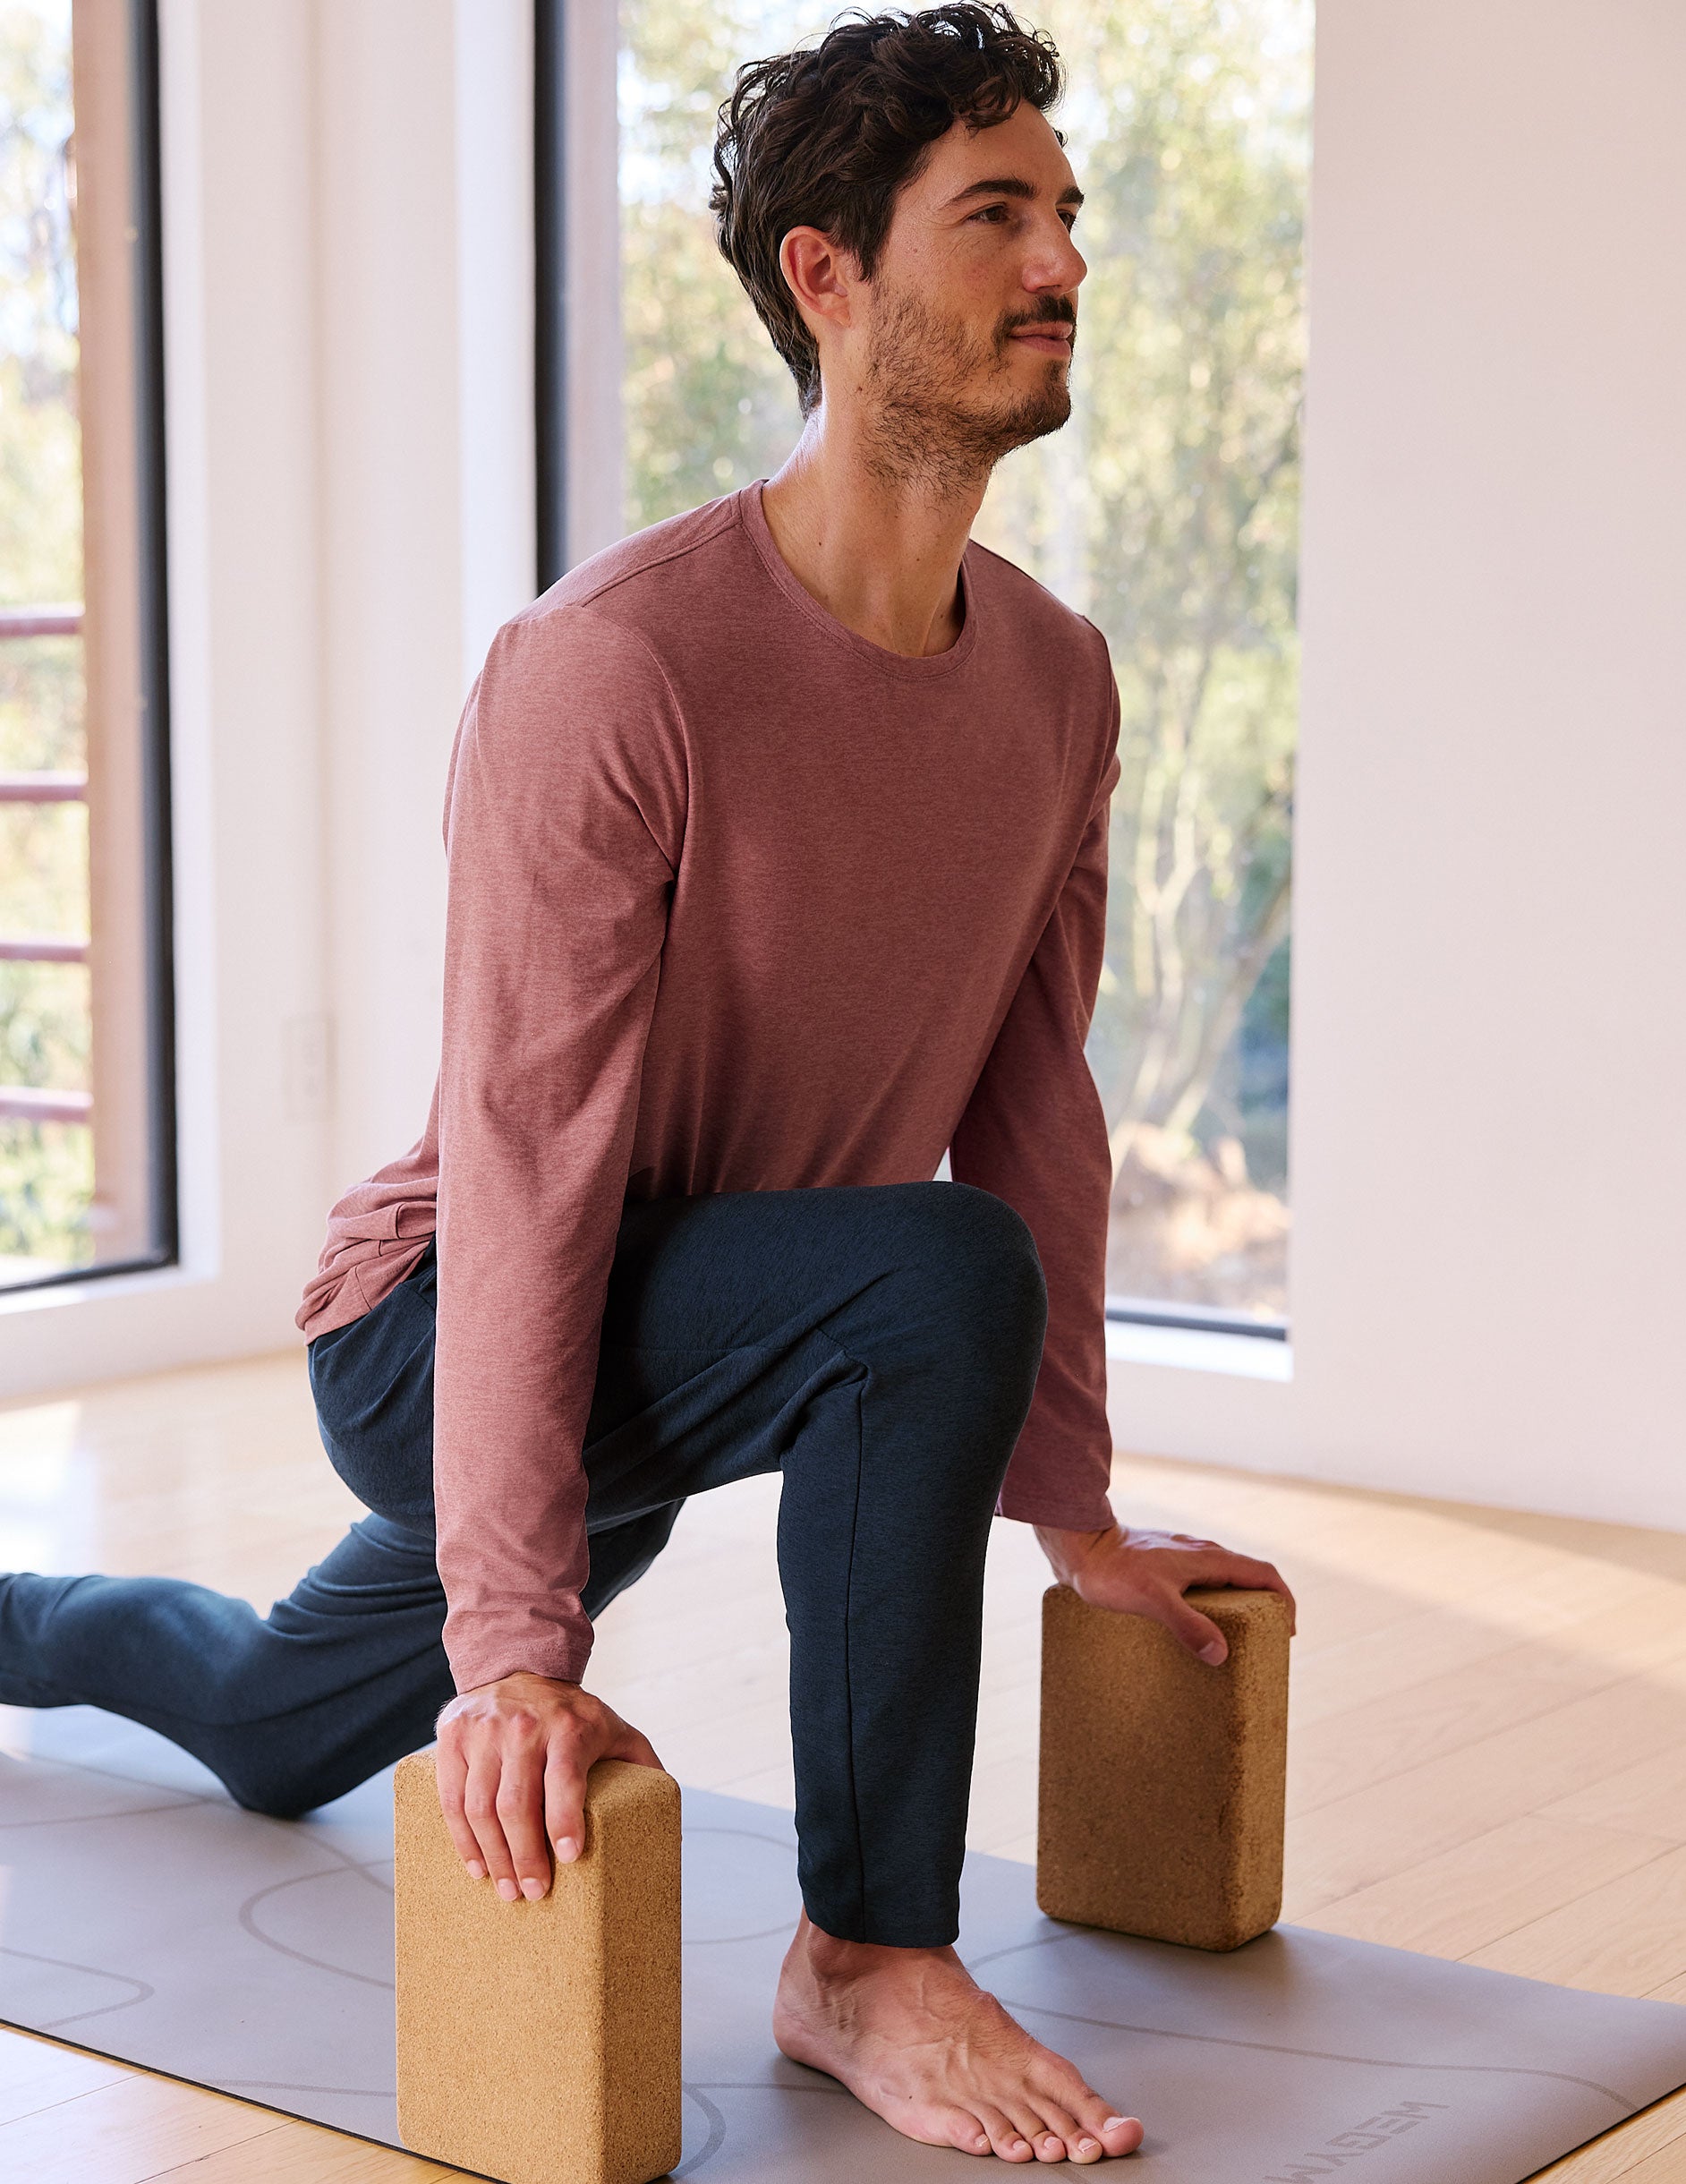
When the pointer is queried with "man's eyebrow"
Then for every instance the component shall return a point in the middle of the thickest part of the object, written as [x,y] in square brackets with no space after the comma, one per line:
[1013,185]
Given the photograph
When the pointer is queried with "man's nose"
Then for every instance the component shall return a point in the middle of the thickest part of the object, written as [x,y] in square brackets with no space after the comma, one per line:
[1059,268]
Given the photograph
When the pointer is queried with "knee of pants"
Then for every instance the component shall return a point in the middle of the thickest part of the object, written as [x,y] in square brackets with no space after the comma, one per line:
[970,1285]
[276,1785]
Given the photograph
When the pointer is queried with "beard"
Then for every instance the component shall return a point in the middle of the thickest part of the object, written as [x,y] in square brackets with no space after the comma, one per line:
[945,409]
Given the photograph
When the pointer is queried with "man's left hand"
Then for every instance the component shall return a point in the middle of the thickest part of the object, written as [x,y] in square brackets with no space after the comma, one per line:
[1148,1572]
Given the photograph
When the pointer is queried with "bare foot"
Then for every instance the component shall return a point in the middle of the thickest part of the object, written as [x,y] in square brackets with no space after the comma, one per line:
[913,2035]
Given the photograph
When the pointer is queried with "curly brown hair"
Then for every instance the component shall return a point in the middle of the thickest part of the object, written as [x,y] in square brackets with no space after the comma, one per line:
[824,137]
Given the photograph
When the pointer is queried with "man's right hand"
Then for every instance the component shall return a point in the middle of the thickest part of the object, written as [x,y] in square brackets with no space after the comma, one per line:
[513,1759]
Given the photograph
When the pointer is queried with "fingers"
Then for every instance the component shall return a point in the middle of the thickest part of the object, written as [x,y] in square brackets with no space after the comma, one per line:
[452,1774]
[1199,1633]
[512,1767]
[520,1815]
[480,1802]
[565,1799]
[1217,1566]
[1263,1577]
[635,1745]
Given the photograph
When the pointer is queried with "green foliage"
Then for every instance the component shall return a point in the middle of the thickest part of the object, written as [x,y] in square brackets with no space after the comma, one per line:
[45,1169]
[46,1186]
[708,405]
[40,439]
[46,1175]
[1168,511]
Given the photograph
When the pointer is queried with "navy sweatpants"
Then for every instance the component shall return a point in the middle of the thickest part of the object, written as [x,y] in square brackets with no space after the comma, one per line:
[877,1345]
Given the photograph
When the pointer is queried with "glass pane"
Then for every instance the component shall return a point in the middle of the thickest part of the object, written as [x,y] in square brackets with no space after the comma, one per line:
[76,1171]
[1166,511]
[709,404]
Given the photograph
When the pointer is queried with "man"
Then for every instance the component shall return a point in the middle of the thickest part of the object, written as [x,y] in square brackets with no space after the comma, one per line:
[776,840]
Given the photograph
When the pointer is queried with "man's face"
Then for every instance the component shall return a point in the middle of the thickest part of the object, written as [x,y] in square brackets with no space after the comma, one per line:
[973,310]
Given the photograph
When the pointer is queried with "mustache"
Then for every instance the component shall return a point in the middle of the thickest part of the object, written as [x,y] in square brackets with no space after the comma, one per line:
[1052,311]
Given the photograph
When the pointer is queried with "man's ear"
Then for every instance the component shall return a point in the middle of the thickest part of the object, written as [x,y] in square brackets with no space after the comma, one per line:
[823,277]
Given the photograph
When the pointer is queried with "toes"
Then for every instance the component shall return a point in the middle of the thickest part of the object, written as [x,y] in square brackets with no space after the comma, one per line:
[1044,2146]
[1008,2141]
[1121,2134]
[1062,2134]
[959,2130]
[1117,2134]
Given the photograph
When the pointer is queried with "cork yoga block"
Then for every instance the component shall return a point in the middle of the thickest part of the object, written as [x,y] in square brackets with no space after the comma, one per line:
[539,2043]
[1162,1780]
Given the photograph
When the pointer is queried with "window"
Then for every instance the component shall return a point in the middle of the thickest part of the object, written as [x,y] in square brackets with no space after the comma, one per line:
[1166,511]
[87,1177]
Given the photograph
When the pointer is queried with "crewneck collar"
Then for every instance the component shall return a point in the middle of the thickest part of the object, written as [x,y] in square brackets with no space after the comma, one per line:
[932,667]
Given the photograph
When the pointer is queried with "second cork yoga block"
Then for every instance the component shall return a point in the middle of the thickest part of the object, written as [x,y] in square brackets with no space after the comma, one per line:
[1163,1780]
[539,2043]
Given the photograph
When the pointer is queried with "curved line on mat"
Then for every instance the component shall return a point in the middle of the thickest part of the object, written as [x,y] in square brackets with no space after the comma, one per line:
[71,1820]
[1369,2062]
[713,2143]
[112,1774]
[762,1934]
[318,1964]
[362,1867]
[142,1993]
[721,1941]
[766,2084]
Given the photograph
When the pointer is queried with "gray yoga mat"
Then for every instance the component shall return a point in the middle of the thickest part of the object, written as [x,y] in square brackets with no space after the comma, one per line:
[143,1916]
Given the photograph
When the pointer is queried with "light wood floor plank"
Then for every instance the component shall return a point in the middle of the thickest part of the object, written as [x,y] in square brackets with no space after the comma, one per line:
[305,2153]
[1659,2134]
[125,2133]
[36,2074]
[1668,2167]
[1626,1937]
[1649,1796]
[1425,1722]
[1357,1841]
[1426,1642]
[1473,1895]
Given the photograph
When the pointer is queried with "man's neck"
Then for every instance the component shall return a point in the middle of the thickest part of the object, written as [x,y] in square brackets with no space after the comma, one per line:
[883,557]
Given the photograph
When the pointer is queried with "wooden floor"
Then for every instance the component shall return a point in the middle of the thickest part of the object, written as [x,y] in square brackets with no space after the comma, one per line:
[1488,1756]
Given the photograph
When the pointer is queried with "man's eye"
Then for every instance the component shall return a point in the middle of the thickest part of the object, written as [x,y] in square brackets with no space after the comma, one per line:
[990,212]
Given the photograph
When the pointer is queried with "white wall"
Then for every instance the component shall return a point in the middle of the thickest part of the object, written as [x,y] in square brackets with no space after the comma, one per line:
[423,174]
[348,358]
[1489,1040]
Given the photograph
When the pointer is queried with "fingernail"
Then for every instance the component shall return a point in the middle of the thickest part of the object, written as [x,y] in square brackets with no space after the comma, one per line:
[507,1890]
[566,1850]
[1215,1652]
[476,1870]
[532,1890]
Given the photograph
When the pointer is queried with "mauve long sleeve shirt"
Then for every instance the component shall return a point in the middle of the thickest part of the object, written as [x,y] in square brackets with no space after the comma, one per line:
[739,900]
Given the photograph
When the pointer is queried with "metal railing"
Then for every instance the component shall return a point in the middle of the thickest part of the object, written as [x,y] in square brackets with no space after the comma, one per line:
[31,1102]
